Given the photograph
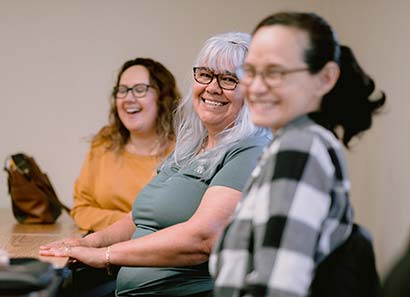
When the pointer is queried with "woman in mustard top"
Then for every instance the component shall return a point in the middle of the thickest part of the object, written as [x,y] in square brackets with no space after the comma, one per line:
[125,153]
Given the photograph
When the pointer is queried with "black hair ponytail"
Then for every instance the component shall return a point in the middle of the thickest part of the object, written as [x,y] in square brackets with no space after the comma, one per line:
[348,104]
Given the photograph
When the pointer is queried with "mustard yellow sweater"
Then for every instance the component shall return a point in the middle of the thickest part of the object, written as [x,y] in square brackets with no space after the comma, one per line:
[107,186]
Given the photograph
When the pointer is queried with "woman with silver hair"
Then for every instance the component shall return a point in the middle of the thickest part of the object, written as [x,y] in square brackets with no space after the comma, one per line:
[177,217]
[221,54]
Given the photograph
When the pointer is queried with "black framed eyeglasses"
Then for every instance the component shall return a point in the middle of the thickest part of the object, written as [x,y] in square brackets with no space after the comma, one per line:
[226,81]
[138,90]
[271,76]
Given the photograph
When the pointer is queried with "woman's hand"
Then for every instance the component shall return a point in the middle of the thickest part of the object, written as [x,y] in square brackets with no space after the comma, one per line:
[94,257]
[60,247]
[67,242]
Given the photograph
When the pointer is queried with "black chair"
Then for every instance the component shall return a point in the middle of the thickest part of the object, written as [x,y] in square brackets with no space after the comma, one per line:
[350,270]
[87,281]
[397,281]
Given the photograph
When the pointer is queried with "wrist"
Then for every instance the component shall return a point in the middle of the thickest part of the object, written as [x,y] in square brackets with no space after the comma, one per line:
[91,240]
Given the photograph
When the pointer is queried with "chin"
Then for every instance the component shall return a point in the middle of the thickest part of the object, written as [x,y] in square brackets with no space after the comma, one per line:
[261,121]
[134,128]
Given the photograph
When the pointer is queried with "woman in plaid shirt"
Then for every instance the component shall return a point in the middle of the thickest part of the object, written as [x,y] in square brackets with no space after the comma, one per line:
[295,210]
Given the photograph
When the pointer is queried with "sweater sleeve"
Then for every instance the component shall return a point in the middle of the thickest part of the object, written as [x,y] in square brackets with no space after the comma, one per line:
[87,212]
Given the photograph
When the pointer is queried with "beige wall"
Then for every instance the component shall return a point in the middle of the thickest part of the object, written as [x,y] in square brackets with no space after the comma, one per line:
[59,60]
[378,33]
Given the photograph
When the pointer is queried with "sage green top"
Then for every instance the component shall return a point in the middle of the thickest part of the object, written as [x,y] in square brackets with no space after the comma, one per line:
[172,197]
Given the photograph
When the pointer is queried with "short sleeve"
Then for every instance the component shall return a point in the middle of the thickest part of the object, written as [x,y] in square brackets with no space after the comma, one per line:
[238,165]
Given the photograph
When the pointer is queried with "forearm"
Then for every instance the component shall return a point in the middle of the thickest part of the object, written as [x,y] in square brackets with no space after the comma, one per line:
[187,243]
[121,230]
[178,245]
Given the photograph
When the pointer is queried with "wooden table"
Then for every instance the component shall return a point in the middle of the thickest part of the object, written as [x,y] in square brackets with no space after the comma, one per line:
[24,240]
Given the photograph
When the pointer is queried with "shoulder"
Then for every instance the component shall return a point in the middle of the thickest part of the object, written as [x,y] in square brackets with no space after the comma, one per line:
[100,151]
[256,143]
[245,152]
[310,141]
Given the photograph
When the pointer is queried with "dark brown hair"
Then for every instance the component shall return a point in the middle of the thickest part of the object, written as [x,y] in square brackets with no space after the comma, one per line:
[115,135]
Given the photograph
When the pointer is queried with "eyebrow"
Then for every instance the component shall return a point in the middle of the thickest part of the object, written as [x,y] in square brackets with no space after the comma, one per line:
[265,67]
[139,83]
[228,73]
[224,72]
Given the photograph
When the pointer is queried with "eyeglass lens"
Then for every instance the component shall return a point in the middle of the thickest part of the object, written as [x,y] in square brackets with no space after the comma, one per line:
[205,76]
[138,90]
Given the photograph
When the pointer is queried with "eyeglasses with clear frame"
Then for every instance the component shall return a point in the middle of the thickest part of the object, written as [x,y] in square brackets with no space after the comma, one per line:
[271,76]
[226,81]
[138,90]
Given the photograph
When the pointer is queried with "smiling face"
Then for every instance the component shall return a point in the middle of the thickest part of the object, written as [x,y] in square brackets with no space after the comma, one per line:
[138,114]
[217,108]
[281,48]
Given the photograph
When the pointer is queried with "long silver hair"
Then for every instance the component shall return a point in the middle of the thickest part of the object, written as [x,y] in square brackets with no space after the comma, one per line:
[221,52]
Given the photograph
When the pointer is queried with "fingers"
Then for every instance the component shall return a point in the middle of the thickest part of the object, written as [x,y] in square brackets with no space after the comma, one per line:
[64,251]
[55,244]
[57,249]
[67,250]
[61,243]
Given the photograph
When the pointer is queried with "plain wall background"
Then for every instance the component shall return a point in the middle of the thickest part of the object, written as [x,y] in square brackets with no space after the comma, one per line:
[59,60]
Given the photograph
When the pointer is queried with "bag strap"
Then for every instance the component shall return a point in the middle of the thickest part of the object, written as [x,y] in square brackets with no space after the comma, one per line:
[6,168]
[7,164]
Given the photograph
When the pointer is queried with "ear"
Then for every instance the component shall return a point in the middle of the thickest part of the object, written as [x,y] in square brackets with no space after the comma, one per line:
[328,77]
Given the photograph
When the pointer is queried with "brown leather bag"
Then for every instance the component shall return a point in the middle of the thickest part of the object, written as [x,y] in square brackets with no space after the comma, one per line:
[32,195]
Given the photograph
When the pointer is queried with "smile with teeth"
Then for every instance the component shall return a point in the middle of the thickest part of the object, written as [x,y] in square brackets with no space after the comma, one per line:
[213,103]
[132,110]
[263,104]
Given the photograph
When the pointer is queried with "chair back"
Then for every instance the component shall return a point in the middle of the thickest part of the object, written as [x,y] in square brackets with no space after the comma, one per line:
[350,270]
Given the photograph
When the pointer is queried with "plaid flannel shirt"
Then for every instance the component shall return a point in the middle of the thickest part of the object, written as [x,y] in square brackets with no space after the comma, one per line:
[295,211]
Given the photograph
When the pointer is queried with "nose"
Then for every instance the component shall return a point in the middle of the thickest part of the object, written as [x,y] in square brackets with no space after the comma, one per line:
[257,86]
[130,96]
[213,87]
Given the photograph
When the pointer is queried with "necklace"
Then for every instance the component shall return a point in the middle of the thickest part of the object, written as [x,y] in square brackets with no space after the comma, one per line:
[203,147]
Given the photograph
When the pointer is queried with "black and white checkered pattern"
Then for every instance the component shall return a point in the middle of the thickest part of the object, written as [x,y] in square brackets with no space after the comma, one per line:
[294,212]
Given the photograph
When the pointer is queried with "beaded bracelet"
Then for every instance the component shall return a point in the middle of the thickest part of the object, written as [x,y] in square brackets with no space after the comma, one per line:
[107,260]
